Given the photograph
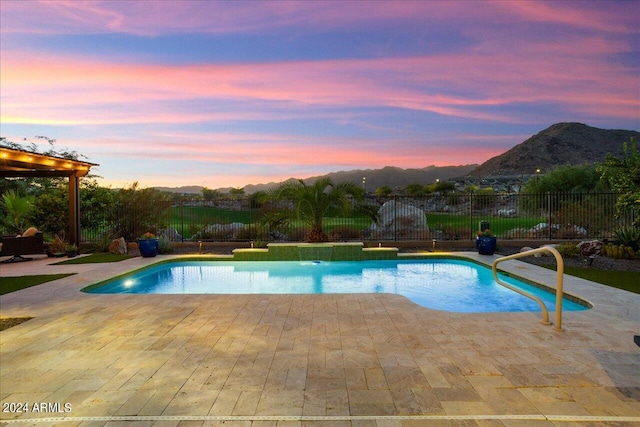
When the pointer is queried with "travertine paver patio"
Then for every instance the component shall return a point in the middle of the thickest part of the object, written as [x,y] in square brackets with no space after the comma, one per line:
[298,360]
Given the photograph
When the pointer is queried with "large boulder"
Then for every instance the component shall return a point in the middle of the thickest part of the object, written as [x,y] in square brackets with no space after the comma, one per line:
[590,248]
[399,220]
[118,246]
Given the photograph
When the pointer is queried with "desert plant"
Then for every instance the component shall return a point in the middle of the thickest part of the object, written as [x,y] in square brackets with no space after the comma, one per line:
[618,251]
[627,236]
[58,245]
[164,245]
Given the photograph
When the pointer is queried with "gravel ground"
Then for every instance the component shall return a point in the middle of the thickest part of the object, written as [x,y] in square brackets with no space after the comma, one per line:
[600,262]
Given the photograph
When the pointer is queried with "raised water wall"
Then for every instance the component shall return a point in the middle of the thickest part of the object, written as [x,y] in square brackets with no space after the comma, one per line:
[351,251]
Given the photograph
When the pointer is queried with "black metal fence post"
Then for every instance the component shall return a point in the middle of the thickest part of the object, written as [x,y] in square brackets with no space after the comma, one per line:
[181,221]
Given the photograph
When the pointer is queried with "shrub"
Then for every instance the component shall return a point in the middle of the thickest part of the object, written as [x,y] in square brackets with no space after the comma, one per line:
[164,245]
[344,232]
[568,250]
[246,233]
[627,236]
[297,234]
[103,242]
[452,232]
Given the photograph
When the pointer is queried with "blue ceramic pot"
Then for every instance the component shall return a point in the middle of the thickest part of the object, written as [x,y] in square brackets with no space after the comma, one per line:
[148,247]
[486,245]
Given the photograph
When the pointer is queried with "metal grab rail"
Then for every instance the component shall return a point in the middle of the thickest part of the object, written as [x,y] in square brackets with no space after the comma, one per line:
[559,282]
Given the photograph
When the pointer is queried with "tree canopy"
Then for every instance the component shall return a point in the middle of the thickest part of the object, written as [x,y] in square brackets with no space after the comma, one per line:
[567,178]
[623,176]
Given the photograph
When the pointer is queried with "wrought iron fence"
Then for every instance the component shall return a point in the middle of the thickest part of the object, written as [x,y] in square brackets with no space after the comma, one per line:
[440,216]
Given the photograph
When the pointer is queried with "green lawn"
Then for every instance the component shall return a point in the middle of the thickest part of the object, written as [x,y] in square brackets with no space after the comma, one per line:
[500,226]
[188,220]
[627,280]
[98,257]
[12,284]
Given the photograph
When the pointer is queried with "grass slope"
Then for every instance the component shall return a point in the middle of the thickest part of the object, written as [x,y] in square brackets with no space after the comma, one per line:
[627,280]
[99,257]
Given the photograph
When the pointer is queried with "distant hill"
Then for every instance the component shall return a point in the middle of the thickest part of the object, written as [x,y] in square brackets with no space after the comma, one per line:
[391,176]
[560,144]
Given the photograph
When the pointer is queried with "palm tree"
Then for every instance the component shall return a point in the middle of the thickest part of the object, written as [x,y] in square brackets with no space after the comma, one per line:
[313,202]
[16,210]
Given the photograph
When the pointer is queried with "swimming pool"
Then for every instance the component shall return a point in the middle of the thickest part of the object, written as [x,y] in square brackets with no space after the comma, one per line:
[440,284]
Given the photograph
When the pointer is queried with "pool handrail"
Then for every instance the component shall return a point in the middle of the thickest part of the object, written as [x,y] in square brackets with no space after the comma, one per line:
[559,282]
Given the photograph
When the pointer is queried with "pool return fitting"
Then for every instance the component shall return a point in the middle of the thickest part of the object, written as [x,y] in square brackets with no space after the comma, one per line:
[559,282]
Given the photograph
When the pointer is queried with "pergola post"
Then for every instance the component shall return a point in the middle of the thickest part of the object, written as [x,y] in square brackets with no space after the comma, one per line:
[74,209]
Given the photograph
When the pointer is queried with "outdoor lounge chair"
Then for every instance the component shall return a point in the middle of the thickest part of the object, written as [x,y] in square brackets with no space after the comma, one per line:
[16,246]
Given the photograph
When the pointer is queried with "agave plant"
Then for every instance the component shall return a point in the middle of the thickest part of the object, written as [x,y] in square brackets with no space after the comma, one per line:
[628,236]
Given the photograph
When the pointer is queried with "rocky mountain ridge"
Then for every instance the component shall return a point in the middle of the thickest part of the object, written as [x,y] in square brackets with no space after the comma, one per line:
[559,144]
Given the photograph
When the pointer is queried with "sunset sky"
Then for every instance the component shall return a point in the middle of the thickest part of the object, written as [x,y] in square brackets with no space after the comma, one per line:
[224,94]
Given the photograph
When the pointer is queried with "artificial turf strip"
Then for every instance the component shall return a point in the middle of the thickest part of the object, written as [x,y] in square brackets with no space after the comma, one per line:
[95,258]
[12,284]
[8,322]
[626,280]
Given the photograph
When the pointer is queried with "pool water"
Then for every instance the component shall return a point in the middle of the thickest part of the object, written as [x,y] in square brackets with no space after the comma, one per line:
[449,285]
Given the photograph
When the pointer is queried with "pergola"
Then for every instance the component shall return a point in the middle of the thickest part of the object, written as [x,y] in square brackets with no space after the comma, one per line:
[23,164]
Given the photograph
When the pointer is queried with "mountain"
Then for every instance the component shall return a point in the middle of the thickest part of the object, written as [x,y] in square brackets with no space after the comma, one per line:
[559,144]
[389,175]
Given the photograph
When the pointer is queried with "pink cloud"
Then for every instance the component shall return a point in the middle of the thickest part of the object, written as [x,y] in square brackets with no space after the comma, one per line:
[601,16]
[155,18]
[281,150]
[72,90]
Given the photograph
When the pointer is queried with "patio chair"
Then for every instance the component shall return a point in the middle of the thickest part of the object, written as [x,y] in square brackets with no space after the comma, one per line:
[16,246]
